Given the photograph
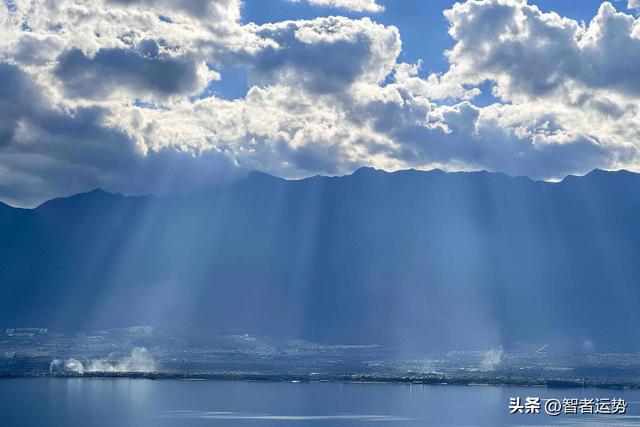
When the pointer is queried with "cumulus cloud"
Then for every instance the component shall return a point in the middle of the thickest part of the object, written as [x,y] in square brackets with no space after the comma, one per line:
[43,146]
[217,10]
[142,71]
[47,150]
[117,94]
[369,6]
[565,86]
[529,53]
[322,55]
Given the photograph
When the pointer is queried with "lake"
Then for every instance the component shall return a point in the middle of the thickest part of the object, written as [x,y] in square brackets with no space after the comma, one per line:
[141,402]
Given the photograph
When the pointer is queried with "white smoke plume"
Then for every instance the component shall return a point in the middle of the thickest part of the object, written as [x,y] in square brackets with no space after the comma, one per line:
[138,361]
[492,359]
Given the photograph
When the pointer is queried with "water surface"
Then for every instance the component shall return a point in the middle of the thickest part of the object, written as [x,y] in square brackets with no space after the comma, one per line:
[141,402]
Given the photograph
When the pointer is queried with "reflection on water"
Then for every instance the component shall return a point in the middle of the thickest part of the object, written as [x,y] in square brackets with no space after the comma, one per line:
[139,402]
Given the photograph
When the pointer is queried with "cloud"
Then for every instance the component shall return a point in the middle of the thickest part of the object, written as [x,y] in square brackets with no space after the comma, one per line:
[567,88]
[142,71]
[117,94]
[46,150]
[40,144]
[466,137]
[529,53]
[369,6]
[312,55]
[211,10]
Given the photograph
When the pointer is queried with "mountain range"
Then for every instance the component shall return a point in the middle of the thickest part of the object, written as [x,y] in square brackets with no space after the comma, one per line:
[424,258]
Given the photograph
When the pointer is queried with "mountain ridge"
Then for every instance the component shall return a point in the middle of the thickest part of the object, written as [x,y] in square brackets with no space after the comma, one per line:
[446,260]
[359,171]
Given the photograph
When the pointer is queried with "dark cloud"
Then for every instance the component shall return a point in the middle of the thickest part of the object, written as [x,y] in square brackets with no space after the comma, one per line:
[138,71]
[320,68]
[17,95]
[323,56]
[46,152]
[50,148]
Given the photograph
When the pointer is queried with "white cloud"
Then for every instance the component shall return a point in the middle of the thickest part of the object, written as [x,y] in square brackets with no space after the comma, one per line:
[370,6]
[210,10]
[532,54]
[562,82]
[105,94]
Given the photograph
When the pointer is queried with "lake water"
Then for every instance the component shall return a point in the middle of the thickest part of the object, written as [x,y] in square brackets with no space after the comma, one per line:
[139,402]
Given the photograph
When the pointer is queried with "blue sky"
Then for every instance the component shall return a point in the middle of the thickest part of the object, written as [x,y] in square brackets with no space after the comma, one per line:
[162,96]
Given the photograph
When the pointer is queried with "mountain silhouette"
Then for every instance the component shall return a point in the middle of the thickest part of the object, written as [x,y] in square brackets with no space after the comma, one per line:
[430,259]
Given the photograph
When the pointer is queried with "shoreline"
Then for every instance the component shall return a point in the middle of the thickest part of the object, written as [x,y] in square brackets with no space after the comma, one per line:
[342,378]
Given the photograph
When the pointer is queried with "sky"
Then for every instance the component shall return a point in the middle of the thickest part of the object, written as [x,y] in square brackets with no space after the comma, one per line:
[161,96]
